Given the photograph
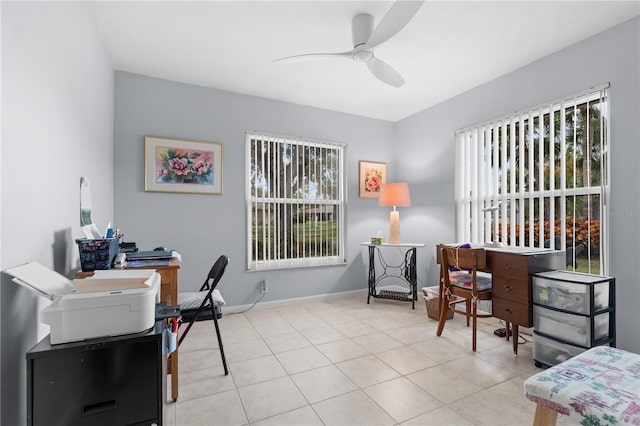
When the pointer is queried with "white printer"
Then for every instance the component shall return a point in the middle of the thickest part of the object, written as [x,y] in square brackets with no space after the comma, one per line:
[110,303]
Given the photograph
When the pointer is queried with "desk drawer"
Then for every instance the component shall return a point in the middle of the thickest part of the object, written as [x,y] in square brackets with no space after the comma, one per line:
[514,312]
[513,289]
[508,265]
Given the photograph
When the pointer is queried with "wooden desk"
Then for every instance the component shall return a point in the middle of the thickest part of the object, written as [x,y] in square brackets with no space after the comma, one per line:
[169,294]
[511,269]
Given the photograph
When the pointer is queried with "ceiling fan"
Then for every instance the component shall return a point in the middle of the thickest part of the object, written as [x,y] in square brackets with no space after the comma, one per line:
[366,38]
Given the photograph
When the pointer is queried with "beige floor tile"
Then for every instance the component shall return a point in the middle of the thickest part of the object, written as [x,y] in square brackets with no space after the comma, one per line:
[304,416]
[402,399]
[196,384]
[440,349]
[352,409]
[300,360]
[238,334]
[321,335]
[286,342]
[439,417]
[480,372]
[444,383]
[393,320]
[367,370]
[169,413]
[378,342]
[323,383]
[342,350]
[415,333]
[199,359]
[509,406]
[406,360]
[270,398]
[273,327]
[222,408]
[503,357]
[335,316]
[248,349]
[256,370]
[355,328]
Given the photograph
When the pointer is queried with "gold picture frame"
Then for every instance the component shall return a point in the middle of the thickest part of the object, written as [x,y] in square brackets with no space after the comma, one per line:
[372,175]
[182,165]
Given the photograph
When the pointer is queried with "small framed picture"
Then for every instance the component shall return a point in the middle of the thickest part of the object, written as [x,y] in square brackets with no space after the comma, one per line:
[372,176]
[179,165]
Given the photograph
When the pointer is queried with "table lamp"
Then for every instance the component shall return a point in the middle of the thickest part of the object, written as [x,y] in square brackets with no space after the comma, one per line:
[393,195]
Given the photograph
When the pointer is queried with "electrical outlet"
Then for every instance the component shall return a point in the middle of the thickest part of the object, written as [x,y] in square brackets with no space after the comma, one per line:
[263,286]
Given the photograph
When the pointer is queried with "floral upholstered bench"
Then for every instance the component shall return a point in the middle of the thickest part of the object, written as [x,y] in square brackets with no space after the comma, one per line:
[598,387]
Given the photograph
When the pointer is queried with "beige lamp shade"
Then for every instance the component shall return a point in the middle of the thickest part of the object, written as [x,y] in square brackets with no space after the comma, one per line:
[392,195]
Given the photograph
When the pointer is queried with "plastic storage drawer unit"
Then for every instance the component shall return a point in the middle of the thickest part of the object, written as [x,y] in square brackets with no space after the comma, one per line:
[571,291]
[551,352]
[572,312]
[572,328]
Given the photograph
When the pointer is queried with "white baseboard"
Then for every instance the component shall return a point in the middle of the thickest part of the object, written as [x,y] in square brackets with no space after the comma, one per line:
[294,301]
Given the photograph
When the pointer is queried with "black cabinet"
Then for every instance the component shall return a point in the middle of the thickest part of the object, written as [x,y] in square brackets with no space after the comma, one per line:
[108,381]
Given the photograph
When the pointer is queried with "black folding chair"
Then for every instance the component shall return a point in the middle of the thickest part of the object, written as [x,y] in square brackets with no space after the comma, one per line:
[195,305]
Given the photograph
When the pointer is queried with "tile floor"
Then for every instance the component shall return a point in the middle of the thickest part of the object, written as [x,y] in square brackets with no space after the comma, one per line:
[343,362]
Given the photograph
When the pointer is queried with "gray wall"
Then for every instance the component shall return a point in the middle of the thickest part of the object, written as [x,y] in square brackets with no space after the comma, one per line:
[612,56]
[201,227]
[57,125]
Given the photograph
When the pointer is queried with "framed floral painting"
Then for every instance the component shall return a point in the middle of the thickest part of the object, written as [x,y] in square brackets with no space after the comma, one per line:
[178,165]
[372,175]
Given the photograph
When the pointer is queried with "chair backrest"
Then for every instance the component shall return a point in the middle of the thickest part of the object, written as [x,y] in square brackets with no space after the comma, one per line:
[215,273]
[456,258]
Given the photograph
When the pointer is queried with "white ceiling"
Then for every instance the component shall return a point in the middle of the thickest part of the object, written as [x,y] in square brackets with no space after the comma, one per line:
[448,48]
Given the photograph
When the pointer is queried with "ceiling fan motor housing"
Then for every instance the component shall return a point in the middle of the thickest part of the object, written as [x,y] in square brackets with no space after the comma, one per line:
[361,29]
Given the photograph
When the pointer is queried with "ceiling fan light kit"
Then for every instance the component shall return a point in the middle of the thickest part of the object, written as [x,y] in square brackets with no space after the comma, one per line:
[366,38]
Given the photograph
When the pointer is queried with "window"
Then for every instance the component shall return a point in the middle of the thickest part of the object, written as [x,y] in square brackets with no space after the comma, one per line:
[539,178]
[295,202]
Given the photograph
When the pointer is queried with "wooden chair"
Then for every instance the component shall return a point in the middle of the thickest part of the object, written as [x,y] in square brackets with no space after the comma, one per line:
[460,283]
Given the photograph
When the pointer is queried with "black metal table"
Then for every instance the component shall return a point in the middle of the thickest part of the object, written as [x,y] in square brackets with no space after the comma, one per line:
[402,271]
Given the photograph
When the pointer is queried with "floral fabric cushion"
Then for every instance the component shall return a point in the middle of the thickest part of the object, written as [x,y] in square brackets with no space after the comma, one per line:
[598,387]
[464,279]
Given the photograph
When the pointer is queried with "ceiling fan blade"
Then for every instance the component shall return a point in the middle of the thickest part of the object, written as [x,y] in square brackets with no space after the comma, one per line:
[385,73]
[396,19]
[312,57]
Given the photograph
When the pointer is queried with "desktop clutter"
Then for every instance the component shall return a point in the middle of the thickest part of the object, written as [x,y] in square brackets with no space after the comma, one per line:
[117,294]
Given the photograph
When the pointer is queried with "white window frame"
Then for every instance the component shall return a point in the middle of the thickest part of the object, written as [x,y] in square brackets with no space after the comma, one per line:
[484,192]
[257,202]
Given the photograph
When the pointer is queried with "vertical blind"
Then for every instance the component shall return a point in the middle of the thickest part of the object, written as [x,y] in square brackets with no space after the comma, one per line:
[538,178]
[295,202]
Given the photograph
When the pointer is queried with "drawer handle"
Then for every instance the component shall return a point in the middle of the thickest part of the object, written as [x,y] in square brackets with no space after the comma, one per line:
[507,266]
[508,310]
[507,287]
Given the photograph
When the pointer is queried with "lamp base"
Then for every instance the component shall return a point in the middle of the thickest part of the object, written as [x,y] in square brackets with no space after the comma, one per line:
[394,227]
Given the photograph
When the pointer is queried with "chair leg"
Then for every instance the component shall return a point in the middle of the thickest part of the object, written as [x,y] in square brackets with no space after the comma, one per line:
[215,322]
[444,310]
[185,332]
[468,309]
[474,314]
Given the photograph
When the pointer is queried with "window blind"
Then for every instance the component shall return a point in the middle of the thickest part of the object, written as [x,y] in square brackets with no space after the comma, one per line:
[295,202]
[539,178]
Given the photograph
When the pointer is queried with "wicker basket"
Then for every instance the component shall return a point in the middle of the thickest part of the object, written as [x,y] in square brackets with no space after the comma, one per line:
[432,301]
